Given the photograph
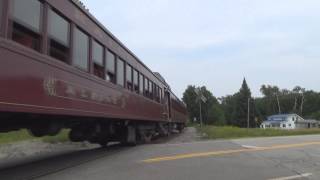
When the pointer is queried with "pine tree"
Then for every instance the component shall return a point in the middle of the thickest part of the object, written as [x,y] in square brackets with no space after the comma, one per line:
[240,112]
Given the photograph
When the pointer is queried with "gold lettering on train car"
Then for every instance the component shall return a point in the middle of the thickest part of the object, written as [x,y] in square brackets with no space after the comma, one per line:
[70,91]
[63,89]
[49,86]
[114,100]
[123,102]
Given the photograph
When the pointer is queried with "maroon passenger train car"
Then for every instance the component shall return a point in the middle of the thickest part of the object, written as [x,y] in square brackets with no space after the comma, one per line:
[60,68]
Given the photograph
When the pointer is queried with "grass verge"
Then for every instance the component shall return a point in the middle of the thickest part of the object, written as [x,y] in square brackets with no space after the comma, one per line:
[23,135]
[63,136]
[213,132]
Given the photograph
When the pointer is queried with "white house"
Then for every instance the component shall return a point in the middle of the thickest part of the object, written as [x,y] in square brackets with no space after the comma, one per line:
[288,121]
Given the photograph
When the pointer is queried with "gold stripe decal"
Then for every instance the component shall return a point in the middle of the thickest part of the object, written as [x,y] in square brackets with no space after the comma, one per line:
[227,152]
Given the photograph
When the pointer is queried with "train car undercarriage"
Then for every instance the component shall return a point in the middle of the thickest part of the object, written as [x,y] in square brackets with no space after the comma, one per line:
[94,130]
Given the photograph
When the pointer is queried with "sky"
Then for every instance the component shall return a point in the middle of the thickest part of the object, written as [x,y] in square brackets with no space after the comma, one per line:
[216,43]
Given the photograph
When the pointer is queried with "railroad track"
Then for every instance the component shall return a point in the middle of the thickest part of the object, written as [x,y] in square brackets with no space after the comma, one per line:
[57,163]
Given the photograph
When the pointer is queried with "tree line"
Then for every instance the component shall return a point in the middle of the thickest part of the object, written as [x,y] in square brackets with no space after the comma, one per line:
[233,109]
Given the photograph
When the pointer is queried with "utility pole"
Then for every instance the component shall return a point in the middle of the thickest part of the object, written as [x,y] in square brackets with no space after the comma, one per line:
[248,120]
[279,107]
[200,114]
[302,101]
[201,99]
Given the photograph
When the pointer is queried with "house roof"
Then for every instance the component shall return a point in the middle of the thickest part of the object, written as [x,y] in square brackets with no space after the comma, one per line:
[308,121]
[282,116]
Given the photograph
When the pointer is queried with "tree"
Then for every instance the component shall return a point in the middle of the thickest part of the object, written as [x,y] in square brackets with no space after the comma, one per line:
[240,112]
[216,116]
[271,93]
[228,106]
[191,99]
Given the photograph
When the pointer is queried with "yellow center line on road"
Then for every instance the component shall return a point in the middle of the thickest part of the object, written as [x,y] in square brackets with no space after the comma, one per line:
[227,152]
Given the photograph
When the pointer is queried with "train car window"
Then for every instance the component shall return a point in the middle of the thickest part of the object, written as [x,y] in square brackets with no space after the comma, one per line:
[110,67]
[97,53]
[59,31]
[156,93]
[97,56]
[150,90]
[146,87]
[80,49]
[129,77]
[26,23]
[120,72]
[161,96]
[141,78]
[135,81]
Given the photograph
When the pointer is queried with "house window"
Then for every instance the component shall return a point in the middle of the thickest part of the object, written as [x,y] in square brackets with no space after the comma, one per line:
[97,56]
[80,49]
[135,81]
[111,67]
[129,77]
[26,16]
[59,30]
[120,72]
[141,78]
[284,125]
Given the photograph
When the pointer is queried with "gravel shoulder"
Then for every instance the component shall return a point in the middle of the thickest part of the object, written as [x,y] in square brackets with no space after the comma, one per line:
[32,150]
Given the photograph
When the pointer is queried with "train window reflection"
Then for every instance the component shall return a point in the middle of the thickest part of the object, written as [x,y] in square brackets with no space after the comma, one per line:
[141,78]
[120,72]
[80,49]
[97,56]
[59,30]
[26,23]
[135,81]
[146,87]
[110,67]
[129,77]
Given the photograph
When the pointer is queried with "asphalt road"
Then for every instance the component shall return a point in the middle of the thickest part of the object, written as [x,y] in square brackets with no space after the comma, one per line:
[183,158]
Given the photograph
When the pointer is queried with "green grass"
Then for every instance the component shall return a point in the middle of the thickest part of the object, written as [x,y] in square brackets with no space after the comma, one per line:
[212,132]
[61,137]
[23,135]
[15,136]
